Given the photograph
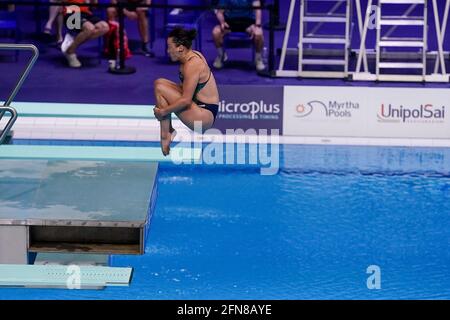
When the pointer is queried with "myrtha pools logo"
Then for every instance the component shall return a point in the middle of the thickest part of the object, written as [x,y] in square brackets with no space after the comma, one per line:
[332,109]
[424,113]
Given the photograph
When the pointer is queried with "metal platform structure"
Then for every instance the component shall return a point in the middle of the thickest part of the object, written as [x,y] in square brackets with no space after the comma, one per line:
[400,53]
[417,41]
[72,200]
[63,276]
[414,19]
[74,206]
[311,21]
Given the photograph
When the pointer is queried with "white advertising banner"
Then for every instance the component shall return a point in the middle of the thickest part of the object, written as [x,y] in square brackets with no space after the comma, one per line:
[366,112]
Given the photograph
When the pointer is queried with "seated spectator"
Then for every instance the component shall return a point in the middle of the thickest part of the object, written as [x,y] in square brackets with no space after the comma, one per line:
[91,27]
[139,14]
[54,14]
[239,20]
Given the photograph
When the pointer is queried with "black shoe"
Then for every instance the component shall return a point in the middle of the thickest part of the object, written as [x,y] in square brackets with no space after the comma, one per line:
[147,51]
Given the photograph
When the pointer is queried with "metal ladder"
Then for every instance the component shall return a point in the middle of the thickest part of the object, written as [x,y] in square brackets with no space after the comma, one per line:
[386,41]
[6,107]
[338,12]
[317,19]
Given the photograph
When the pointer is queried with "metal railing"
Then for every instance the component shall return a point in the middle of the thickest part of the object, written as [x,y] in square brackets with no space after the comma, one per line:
[9,124]
[6,106]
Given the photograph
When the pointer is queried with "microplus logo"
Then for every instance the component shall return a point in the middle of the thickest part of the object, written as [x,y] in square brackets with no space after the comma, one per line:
[251,110]
[424,113]
[332,109]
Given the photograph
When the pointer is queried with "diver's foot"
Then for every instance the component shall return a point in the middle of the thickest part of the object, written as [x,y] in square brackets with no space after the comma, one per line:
[173,134]
[165,146]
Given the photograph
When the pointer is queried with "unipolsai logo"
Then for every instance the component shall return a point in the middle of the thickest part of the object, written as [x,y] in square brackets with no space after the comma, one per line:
[425,113]
[332,109]
[249,110]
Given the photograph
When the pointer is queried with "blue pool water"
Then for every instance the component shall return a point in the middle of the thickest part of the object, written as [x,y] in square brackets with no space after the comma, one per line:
[308,232]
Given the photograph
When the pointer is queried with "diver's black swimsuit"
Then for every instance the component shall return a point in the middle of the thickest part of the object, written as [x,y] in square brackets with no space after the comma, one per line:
[214,108]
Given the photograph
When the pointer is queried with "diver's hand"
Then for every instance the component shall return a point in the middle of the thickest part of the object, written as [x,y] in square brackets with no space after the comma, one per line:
[159,113]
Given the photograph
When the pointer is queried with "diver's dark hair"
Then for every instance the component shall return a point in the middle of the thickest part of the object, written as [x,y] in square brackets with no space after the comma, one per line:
[184,37]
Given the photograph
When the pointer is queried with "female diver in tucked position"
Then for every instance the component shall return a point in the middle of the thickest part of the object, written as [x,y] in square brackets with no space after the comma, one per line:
[195,99]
